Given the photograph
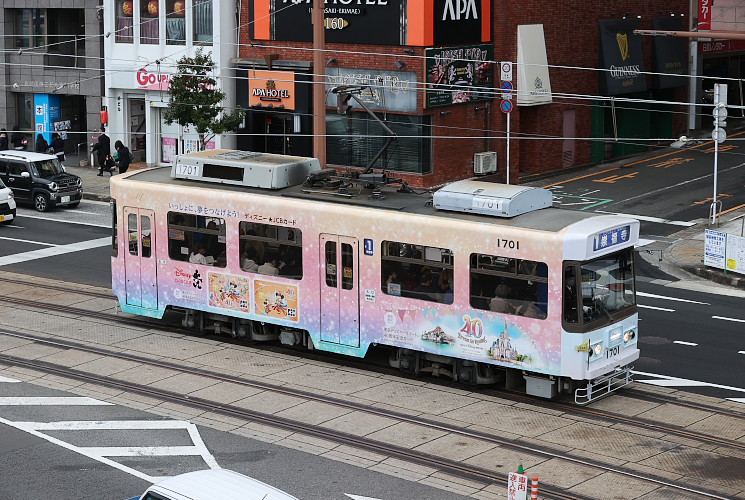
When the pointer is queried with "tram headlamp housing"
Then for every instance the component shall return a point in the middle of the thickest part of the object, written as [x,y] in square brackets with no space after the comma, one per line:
[629,336]
[597,349]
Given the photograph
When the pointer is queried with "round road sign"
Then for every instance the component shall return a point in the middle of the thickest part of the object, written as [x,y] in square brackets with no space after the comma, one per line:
[505,106]
[718,134]
[506,87]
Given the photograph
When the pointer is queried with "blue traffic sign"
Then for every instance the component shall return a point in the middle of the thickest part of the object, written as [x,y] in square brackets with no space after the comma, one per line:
[506,86]
[505,106]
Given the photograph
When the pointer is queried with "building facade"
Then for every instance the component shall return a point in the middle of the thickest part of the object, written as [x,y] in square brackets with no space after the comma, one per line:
[431,73]
[143,41]
[52,60]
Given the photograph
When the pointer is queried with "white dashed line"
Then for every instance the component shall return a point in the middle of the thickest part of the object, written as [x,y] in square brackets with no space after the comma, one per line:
[8,380]
[729,319]
[665,297]
[656,308]
[684,343]
[56,250]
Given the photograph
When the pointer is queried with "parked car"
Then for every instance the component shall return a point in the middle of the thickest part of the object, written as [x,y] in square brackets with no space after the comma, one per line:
[213,484]
[7,204]
[39,179]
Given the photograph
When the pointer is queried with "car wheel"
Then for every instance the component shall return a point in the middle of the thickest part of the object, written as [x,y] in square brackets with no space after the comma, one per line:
[41,202]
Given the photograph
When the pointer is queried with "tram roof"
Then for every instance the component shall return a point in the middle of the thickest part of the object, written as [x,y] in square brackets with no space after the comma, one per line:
[547,219]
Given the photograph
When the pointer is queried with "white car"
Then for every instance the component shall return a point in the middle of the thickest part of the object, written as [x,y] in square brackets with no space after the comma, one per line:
[213,484]
[7,205]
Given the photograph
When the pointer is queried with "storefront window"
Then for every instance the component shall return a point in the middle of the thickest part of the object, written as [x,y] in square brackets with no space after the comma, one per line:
[356,138]
[203,22]
[176,22]
[149,29]
[124,21]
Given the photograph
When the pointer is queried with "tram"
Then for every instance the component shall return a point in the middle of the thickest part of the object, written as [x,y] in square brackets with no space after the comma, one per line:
[480,282]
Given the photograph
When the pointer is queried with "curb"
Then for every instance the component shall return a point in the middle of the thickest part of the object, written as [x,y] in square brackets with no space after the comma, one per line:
[96,197]
[717,276]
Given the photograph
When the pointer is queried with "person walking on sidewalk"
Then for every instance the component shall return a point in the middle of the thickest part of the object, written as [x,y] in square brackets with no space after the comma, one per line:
[124,156]
[42,146]
[103,153]
[4,140]
[58,145]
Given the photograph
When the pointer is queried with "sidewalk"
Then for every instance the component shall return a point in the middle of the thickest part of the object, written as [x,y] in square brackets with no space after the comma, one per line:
[684,252]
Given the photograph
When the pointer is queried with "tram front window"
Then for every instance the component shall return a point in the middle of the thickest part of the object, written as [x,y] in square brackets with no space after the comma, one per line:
[606,285]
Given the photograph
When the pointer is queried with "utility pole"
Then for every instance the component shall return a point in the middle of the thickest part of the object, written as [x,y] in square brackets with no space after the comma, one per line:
[319,83]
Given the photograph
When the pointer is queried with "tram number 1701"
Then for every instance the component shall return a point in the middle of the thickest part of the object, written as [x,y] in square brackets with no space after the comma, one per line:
[505,243]
[612,351]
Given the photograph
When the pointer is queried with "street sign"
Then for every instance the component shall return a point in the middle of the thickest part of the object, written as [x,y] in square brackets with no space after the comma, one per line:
[506,71]
[506,90]
[719,113]
[718,134]
[506,106]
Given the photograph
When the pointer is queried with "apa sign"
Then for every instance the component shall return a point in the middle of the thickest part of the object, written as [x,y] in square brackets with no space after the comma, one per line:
[455,10]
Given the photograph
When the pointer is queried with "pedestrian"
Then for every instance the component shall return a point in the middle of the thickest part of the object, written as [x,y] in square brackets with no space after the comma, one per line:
[3,140]
[17,140]
[58,146]
[103,153]
[125,158]
[42,146]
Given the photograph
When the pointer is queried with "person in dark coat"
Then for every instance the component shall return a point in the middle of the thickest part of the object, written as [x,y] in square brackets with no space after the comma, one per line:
[58,145]
[103,152]
[16,138]
[3,140]
[42,146]
[123,152]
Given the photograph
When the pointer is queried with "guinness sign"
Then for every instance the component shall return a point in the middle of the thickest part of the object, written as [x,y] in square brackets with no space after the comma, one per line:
[621,56]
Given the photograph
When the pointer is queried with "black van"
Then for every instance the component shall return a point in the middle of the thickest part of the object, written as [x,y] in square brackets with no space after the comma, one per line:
[39,179]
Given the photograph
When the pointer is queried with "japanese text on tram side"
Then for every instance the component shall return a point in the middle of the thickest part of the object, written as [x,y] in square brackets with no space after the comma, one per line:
[275,220]
[200,209]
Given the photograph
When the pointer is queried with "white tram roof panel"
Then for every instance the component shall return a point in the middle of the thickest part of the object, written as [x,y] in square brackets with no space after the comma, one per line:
[486,198]
[550,219]
[244,168]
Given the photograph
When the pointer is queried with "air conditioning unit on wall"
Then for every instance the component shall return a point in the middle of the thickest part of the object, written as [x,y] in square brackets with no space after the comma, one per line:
[485,163]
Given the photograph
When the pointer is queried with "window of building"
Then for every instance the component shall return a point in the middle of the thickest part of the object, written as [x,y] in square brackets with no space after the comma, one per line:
[198,239]
[176,23]
[149,28]
[509,286]
[30,27]
[202,12]
[355,139]
[272,250]
[417,271]
[124,21]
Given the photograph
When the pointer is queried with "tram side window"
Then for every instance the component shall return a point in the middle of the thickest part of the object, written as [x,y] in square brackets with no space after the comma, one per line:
[509,286]
[417,271]
[114,231]
[272,250]
[197,239]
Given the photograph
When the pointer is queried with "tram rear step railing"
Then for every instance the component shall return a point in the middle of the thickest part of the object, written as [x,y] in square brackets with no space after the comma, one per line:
[603,386]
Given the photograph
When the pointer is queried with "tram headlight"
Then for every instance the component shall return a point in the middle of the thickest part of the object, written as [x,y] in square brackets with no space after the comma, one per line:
[628,336]
[597,349]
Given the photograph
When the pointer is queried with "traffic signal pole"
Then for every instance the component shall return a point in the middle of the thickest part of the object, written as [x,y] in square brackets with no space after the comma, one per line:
[319,83]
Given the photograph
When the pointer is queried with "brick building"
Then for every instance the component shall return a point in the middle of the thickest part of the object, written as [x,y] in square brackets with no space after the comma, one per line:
[426,66]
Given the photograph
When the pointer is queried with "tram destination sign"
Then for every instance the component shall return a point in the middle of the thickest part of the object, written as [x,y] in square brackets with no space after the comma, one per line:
[607,239]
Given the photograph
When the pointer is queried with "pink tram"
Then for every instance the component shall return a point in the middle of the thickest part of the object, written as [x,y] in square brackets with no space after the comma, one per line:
[480,282]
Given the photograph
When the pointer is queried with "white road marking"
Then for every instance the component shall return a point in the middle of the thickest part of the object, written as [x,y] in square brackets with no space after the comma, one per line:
[737,400]
[70,447]
[656,308]
[665,297]
[67,221]
[29,241]
[357,497]
[53,251]
[682,382]
[652,219]
[684,343]
[141,451]
[729,319]
[8,380]
[52,401]
[740,352]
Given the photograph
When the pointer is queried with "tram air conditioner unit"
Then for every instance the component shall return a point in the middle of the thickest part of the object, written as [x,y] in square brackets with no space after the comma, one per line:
[485,163]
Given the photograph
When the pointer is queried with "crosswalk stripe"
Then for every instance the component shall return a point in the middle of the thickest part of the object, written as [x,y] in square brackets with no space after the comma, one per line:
[141,451]
[53,251]
[51,401]
[8,380]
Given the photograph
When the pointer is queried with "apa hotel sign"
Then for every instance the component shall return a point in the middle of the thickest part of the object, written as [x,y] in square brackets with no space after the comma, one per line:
[271,89]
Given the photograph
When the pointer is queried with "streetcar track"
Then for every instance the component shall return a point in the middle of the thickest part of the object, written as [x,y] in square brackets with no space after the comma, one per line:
[450,466]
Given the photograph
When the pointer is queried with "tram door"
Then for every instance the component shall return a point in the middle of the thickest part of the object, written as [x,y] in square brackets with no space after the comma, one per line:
[139,259]
[340,297]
